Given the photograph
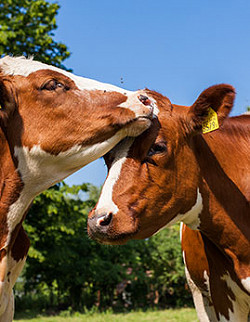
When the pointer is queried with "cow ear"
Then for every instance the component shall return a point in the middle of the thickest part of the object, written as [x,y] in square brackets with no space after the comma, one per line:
[8,98]
[217,98]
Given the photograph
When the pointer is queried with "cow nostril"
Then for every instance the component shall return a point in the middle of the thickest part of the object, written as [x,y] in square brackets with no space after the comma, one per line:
[105,220]
[144,99]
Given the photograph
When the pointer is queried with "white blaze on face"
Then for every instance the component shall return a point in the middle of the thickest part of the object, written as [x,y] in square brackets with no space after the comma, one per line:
[106,203]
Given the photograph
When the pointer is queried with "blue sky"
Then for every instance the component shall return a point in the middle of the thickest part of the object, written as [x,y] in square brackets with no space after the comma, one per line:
[178,48]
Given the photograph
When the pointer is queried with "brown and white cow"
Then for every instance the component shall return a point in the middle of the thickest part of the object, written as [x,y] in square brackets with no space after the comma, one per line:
[173,172]
[52,123]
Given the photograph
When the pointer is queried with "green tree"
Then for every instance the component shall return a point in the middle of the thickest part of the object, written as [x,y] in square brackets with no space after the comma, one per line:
[26,28]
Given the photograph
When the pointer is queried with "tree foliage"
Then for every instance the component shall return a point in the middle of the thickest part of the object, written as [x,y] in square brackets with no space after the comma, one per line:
[26,28]
[163,259]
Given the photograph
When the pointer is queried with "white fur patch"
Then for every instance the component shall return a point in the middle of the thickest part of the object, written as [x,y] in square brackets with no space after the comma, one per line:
[133,100]
[207,283]
[181,228]
[16,211]
[40,170]
[246,283]
[241,305]
[8,314]
[24,67]
[15,268]
[190,218]
[6,294]
[200,302]
[106,203]
[203,307]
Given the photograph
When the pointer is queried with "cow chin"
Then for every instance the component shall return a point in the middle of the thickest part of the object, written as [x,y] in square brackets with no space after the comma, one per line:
[138,126]
[119,238]
[111,239]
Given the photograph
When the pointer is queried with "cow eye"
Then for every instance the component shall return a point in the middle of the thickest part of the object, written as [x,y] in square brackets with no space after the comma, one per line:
[52,85]
[157,148]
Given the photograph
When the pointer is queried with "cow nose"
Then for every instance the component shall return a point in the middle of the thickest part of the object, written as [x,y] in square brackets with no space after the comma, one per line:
[145,100]
[98,224]
[149,104]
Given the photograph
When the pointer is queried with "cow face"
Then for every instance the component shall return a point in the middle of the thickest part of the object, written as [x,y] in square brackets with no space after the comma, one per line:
[153,179]
[56,122]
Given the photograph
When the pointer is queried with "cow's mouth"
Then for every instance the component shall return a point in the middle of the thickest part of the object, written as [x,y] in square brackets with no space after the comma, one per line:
[145,100]
[138,125]
[105,239]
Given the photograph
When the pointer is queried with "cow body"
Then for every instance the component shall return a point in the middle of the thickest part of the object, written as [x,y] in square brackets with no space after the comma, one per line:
[174,173]
[218,293]
[52,123]
[217,256]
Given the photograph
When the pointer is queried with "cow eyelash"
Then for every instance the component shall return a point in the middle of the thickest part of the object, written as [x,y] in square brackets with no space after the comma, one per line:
[157,148]
[52,85]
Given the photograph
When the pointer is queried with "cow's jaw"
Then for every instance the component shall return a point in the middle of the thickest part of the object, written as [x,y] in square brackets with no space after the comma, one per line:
[39,169]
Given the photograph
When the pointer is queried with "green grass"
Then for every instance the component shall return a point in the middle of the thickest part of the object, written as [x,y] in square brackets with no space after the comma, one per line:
[180,315]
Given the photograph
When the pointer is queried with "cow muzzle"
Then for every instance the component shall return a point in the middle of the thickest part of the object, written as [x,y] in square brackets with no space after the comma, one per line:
[106,228]
[145,110]
[99,225]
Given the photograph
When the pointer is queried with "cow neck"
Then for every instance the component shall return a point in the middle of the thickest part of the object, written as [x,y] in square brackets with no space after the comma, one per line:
[10,188]
[225,208]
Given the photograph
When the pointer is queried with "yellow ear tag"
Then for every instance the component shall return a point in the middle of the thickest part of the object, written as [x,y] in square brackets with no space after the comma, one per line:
[211,123]
[0,107]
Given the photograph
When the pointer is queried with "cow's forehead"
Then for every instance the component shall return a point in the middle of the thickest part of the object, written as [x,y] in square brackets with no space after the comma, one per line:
[25,66]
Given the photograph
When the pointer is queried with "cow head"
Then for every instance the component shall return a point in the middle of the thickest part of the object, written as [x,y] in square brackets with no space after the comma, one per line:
[153,179]
[56,122]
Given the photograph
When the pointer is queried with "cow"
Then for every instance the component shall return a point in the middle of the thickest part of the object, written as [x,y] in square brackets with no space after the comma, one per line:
[52,123]
[191,165]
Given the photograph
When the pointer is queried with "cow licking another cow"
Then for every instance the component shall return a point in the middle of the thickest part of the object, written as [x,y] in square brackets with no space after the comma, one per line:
[173,172]
[52,123]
